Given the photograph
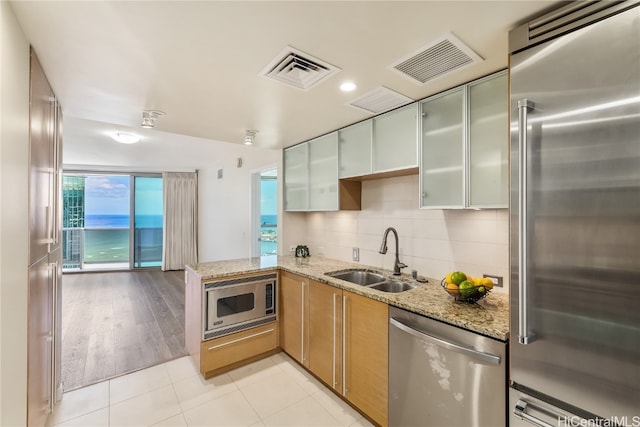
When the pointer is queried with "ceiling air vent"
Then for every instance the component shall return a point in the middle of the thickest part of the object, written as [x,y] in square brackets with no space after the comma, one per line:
[380,100]
[442,56]
[298,69]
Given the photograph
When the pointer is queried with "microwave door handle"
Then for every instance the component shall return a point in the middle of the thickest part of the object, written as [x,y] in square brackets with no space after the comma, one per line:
[524,335]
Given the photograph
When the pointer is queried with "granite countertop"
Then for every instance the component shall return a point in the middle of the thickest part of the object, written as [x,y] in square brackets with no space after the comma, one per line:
[489,316]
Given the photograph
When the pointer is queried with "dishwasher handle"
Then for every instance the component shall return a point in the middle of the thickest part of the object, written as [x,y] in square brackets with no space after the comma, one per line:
[520,412]
[478,355]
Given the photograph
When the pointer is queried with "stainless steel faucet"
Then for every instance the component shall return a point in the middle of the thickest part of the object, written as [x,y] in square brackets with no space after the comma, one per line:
[397,265]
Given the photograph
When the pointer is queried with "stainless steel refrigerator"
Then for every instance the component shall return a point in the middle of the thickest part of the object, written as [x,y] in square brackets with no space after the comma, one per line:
[575,217]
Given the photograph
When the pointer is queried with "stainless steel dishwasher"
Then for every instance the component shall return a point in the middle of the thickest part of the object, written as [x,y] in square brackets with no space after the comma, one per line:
[441,375]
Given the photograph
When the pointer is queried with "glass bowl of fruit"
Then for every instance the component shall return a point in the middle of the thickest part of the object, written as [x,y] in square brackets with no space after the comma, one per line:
[466,288]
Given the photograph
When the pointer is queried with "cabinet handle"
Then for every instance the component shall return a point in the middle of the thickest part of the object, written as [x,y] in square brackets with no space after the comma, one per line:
[524,336]
[519,411]
[302,328]
[248,337]
[334,340]
[344,345]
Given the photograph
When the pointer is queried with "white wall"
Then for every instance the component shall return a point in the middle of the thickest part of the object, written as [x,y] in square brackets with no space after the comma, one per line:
[224,230]
[14,256]
[434,242]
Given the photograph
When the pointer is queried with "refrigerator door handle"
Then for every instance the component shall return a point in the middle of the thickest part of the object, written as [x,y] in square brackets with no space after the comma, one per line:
[524,335]
[520,412]
[470,352]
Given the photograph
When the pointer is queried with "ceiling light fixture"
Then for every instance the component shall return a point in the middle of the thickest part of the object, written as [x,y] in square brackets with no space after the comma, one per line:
[348,87]
[249,137]
[149,118]
[126,138]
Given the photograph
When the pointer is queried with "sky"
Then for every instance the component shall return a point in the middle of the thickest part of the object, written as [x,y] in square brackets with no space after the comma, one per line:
[106,195]
[269,197]
[110,195]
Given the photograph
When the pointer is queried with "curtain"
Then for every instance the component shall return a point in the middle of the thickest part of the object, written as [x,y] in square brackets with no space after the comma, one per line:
[180,220]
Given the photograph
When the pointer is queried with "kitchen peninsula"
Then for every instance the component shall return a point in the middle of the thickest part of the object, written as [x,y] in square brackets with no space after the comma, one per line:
[489,317]
[336,329]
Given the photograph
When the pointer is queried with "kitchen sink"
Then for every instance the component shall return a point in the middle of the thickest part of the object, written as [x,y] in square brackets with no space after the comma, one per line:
[359,277]
[371,279]
[392,286]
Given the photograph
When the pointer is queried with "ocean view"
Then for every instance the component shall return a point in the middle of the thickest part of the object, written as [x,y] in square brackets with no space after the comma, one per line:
[106,238]
[122,221]
[268,235]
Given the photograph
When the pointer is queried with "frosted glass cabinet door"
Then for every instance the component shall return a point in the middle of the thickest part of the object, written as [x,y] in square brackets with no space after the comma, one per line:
[296,178]
[355,149]
[442,172]
[488,142]
[323,173]
[395,139]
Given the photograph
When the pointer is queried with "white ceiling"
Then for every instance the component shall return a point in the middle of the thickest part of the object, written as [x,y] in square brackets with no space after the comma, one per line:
[199,61]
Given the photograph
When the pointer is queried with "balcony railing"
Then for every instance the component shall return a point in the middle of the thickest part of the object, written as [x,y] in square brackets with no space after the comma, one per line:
[108,248]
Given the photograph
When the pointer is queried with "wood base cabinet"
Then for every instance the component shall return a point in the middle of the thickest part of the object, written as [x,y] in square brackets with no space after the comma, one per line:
[341,337]
[325,334]
[294,316]
[366,363]
[226,353]
[218,355]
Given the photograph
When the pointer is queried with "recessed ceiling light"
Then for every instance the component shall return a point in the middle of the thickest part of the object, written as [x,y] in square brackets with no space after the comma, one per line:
[126,138]
[348,87]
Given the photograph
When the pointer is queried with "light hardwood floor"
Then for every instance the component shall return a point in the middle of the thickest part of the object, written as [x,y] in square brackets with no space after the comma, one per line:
[119,322]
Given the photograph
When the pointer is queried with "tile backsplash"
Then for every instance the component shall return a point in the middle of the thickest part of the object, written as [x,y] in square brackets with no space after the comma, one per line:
[433,242]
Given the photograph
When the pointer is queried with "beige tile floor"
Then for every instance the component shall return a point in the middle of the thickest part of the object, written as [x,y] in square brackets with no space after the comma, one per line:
[271,392]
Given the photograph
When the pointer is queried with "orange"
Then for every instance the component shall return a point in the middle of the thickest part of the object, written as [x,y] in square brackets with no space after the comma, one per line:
[452,288]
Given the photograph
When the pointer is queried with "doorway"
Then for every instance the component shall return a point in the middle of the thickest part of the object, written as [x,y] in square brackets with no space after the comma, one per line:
[265,213]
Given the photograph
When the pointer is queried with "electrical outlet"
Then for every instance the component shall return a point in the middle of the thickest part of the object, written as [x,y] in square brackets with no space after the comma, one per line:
[497,280]
[355,254]
[292,249]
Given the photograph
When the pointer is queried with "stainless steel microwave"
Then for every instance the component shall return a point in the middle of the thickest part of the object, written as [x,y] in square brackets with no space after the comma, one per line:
[236,304]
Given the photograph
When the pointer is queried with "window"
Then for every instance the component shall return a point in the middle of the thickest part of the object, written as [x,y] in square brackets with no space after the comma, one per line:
[111,221]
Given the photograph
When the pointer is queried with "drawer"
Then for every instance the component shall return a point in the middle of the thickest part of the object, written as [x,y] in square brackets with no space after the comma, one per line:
[231,350]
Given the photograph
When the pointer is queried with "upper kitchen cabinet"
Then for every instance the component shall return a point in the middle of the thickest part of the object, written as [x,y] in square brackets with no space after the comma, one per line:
[488,142]
[443,150]
[296,178]
[311,178]
[464,143]
[395,140]
[355,144]
[323,173]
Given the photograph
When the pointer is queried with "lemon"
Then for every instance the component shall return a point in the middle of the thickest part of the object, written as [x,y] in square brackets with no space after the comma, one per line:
[448,278]
[458,277]
[476,280]
[486,282]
